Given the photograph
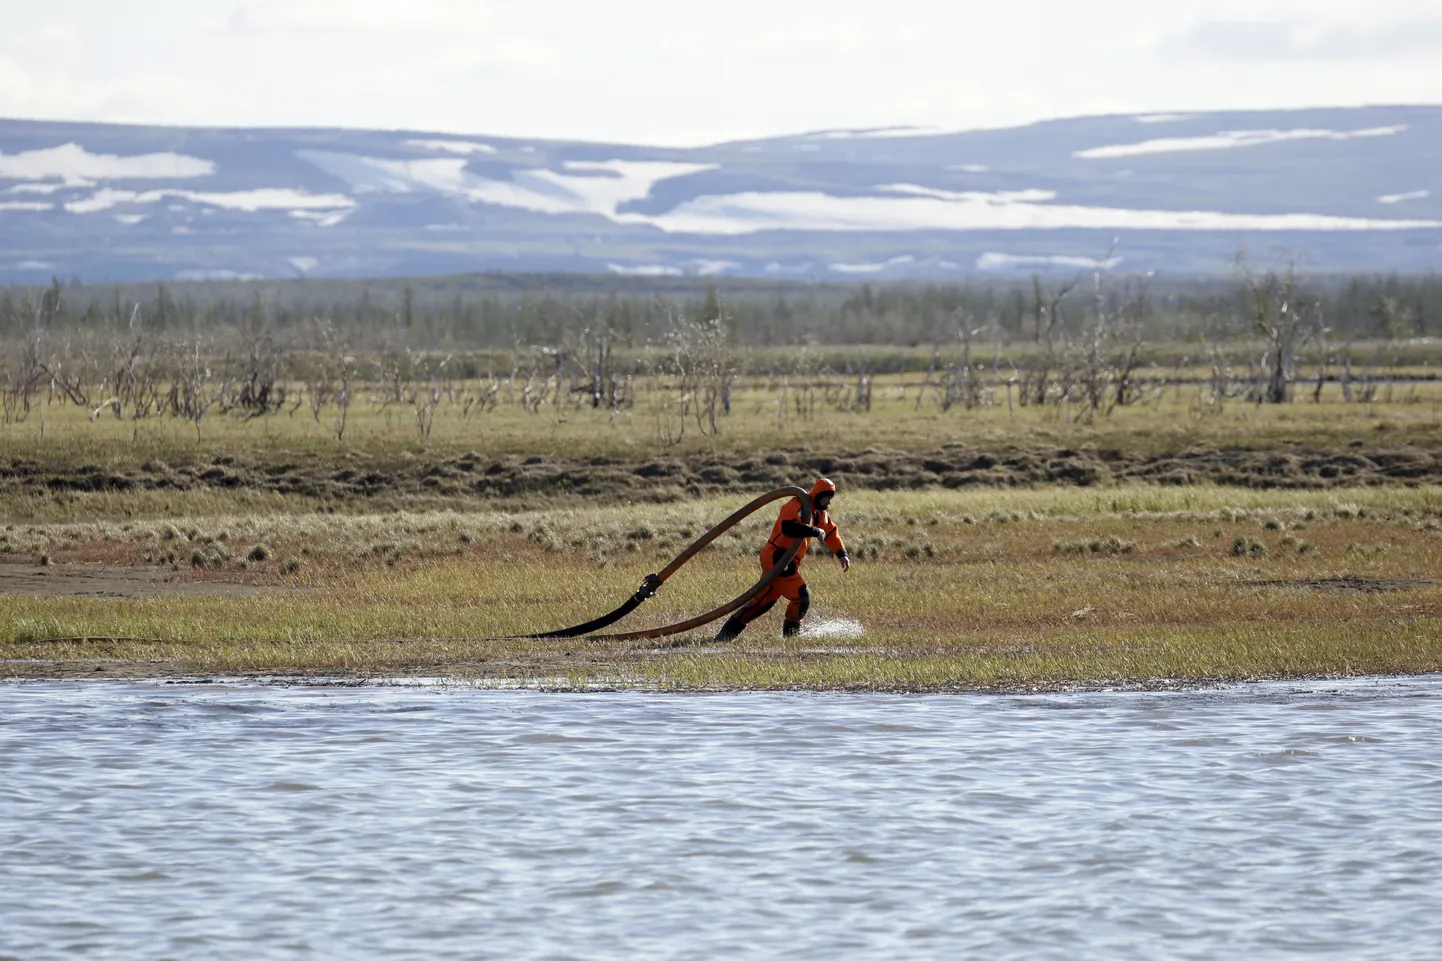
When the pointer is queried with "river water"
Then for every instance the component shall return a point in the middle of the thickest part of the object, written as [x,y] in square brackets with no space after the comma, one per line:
[156,821]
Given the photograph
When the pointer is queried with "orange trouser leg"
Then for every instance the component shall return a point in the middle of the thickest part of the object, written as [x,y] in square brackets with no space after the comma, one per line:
[792,588]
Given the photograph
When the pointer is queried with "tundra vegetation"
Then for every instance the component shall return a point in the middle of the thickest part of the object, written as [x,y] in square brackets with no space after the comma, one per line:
[1073,481]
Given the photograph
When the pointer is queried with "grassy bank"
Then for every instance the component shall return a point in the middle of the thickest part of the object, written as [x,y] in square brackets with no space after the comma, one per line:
[953,589]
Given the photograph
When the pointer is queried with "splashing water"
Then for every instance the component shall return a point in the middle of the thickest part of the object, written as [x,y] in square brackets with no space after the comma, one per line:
[843,627]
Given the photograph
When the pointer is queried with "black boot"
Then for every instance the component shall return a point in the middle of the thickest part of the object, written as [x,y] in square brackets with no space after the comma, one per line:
[790,628]
[731,629]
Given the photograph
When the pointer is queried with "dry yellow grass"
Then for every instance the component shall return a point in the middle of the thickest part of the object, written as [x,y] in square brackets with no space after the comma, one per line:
[760,420]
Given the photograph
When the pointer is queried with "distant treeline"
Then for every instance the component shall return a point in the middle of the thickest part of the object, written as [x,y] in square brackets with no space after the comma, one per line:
[1082,346]
[505,311]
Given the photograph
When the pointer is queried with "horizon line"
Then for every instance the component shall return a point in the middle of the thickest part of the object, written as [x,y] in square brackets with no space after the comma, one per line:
[881,132]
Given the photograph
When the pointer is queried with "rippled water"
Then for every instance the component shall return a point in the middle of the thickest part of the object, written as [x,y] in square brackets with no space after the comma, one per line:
[152,821]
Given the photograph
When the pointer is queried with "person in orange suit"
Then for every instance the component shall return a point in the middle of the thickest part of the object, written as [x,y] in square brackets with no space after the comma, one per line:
[789,584]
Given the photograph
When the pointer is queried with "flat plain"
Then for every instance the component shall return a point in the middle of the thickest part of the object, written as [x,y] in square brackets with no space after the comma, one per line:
[1002,547]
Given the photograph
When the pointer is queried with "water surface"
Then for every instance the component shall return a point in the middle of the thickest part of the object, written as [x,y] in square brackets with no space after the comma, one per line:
[1270,821]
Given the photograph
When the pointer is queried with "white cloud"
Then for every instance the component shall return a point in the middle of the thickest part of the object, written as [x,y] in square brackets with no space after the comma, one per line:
[846,39]
[361,16]
[15,84]
[1309,35]
[304,264]
[1399,198]
[25,205]
[73,164]
[1229,139]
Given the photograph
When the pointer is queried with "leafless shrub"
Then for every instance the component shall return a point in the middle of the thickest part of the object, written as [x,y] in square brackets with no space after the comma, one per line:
[191,394]
[1281,313]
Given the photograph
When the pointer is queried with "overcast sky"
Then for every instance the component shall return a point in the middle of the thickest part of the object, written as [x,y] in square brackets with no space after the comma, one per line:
[677,72]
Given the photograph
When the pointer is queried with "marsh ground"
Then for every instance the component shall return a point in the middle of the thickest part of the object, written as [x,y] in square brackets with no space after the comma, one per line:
[1000,547]
[983,588]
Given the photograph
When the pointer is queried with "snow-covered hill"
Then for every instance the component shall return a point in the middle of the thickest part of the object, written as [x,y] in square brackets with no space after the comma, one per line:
[1342,188]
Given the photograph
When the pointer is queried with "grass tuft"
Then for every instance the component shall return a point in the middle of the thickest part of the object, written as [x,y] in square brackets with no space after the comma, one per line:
[1248,547]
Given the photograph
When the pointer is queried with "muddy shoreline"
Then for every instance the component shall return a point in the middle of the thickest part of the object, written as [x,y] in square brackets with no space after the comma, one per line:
[358,477]
[31,671]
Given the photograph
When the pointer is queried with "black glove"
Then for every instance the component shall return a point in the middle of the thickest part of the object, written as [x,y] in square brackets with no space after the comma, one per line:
[818,533]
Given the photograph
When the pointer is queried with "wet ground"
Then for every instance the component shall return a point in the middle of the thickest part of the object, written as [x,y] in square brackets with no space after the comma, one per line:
[356,475]
[111,580]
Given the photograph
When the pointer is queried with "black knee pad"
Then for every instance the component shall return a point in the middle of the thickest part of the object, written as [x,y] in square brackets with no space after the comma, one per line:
[748,613]
[803,598]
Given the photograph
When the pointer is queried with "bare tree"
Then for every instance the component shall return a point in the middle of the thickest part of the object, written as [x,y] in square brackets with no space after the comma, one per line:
[191,395]
[1047,318]
[1282,315]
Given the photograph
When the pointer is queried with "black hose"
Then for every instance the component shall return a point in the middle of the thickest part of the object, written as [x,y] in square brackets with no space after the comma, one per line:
[653,582]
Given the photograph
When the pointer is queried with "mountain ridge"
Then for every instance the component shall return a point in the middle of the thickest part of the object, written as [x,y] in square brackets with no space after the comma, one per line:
[1353,188]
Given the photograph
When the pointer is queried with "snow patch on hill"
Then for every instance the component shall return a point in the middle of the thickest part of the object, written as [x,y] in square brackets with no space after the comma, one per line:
[992,262]
[877,268]
[451,146]
[73,165]
[1229,139]
[874,133]
[593,187]
[645,270]
[249,201]
[1399,198]
[884,202]
[753,211]
[580,187]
